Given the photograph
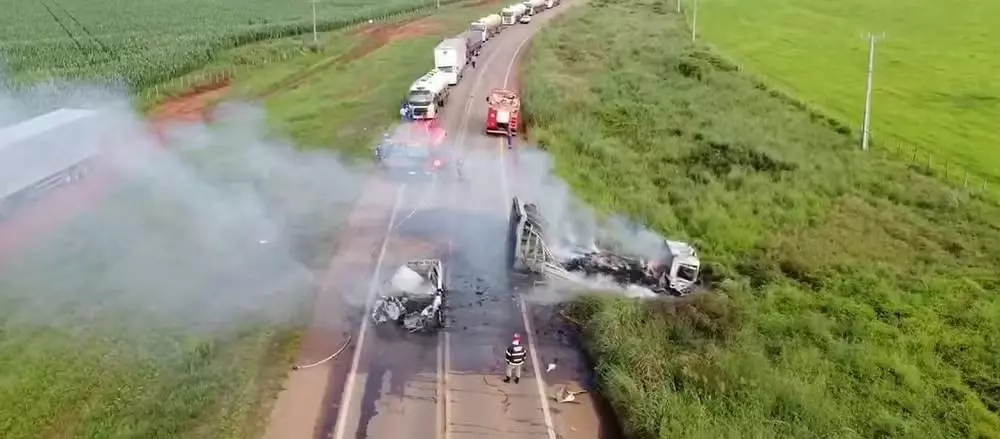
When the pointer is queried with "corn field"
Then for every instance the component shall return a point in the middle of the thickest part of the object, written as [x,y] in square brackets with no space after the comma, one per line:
[142,43]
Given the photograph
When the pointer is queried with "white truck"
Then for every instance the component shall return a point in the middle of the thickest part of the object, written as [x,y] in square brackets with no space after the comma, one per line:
[450,58]
[428,95]
[512,14]
[489,25]
[549,4]
[415,297]
[533,7]
[45,152]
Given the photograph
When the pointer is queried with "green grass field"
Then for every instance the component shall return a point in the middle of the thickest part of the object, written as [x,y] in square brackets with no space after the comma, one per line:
[935,84]
[851,296]
[147,42]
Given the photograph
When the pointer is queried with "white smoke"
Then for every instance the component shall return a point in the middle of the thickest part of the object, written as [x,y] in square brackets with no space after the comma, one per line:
[575,228]
[205,228]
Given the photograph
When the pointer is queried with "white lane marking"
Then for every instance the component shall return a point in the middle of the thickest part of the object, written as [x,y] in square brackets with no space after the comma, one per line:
[447,363]
[532,347]
[504,184]
[484,67]
[441,393]
[345,398]
[506,76]
[538,372]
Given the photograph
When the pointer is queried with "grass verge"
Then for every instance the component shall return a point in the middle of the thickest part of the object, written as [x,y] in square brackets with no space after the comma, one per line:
[932,75]
[851,296]
[347,101]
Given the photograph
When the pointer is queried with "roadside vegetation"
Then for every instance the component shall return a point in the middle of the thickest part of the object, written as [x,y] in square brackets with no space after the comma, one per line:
[934,86]
[849,296]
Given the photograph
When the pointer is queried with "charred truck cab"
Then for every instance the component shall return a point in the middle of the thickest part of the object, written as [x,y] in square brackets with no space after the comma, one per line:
[414,299]
[678,267]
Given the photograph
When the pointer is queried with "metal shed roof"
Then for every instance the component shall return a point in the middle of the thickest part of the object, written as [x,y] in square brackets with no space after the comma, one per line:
[32,127]
[36,149]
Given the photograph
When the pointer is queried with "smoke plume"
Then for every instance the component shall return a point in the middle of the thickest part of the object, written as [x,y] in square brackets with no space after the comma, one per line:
[575,228]
[202,227]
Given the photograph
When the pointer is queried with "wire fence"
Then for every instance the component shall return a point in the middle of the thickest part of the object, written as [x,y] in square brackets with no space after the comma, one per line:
[938,165]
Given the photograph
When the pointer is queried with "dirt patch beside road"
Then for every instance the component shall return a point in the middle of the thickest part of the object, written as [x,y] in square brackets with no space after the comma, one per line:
[192,106]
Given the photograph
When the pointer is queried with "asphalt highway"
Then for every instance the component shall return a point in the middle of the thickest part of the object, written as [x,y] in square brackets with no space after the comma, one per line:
[449,384]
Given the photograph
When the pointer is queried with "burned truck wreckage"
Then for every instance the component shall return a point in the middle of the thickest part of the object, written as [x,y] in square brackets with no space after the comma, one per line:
[415,297]
[674,272]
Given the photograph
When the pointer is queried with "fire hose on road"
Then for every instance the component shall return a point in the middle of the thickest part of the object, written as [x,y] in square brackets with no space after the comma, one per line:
[332,356]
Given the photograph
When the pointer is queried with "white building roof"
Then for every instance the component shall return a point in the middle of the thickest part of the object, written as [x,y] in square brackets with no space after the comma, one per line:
[32,127]
[38,148]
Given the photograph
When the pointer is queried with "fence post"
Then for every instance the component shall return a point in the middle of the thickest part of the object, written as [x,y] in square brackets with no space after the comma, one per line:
[966,179]
[930,158]
[946,170]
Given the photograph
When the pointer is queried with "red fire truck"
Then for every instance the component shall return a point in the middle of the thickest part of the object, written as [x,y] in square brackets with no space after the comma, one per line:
[504,112]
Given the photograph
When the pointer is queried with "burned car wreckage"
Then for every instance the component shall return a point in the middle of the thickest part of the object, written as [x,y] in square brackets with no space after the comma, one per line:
[415,297]
[674,272]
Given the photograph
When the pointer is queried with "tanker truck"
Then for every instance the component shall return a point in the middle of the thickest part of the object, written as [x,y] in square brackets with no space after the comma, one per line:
[533,7]
[511,14]
[488,25]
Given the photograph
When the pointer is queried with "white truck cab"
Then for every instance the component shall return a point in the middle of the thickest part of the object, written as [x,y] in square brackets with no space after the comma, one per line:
[428,94]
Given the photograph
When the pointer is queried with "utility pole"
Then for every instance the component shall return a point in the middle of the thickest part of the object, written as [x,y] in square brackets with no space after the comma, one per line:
[679,6]
[439,4]
[315,37]
[866,130]
[694,22]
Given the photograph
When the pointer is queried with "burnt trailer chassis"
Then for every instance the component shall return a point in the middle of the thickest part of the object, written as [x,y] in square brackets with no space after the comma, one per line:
[528,254]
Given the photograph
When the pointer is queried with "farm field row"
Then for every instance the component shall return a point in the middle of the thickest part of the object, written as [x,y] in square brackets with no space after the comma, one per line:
[849,296]
[935,72]
[145,42]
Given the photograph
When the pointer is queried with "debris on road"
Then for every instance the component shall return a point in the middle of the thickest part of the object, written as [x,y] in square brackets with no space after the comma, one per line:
[415,297]
[564,395]
[674,272]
